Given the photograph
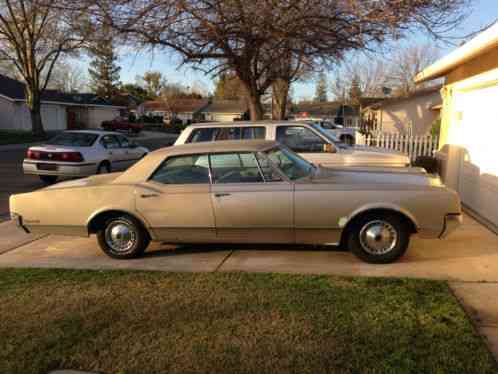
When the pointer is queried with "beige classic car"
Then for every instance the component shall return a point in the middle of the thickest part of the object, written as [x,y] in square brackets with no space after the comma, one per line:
[243,192]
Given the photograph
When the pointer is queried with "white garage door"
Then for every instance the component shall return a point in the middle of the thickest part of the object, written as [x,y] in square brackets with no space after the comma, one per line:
[476,130]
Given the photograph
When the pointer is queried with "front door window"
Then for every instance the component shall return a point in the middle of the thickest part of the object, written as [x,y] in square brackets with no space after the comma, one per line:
[301,139]
[235,168]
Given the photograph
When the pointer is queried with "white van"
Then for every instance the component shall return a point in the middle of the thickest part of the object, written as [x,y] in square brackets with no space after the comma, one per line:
[308,140]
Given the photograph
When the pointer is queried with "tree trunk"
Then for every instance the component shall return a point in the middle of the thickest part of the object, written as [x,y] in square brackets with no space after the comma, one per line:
[253,98]
[255,108]
[280,96]
[33,101]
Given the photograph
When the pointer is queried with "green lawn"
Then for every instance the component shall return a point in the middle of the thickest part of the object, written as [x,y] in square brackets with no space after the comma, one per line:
[151,322]
[18,137]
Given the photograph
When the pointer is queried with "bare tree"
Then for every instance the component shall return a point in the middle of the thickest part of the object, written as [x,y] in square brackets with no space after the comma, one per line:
[370,76]
[393,70]
[68,77]
[34,35]
[406,63]
[241,35]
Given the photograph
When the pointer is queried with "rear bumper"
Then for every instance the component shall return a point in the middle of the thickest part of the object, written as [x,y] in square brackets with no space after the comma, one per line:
[18,221]
[62,169]
[451,223]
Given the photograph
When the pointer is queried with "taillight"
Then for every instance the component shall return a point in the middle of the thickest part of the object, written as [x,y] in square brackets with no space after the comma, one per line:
[71,157]
[33,155]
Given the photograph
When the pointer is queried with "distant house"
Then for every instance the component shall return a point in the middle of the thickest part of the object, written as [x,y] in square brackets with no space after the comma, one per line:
[335,111]
[225,111]
[185,110]
[411,115]
[469,122]
[59,111]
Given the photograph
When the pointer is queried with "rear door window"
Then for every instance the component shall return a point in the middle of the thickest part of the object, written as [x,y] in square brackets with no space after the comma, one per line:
[226,133]
[109,142]
[191,169]
[253,132]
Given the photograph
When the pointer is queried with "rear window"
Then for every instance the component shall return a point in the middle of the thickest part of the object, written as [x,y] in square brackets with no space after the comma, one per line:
[74,139]
[227,133]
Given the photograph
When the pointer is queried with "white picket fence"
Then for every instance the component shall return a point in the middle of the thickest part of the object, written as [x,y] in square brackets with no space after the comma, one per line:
[413,146]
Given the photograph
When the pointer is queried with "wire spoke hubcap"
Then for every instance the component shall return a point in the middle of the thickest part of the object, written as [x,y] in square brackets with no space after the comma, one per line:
[120,236]
[378,237]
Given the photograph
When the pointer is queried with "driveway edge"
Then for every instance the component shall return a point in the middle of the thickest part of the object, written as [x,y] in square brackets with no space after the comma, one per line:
[479,329]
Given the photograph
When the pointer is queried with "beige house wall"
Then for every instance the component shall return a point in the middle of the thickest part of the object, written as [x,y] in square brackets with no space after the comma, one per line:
[416,112]
[469,133]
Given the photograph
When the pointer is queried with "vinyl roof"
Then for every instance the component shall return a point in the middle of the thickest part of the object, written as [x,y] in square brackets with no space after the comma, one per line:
[217,147]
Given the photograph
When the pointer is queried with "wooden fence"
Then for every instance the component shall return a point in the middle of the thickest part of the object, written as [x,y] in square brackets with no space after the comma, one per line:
[413,146]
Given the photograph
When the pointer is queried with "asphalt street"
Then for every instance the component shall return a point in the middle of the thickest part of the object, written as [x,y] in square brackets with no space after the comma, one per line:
[13,180]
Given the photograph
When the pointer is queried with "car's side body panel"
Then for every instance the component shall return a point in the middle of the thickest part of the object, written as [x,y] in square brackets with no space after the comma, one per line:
[254,212]
[177,213]
[69,210]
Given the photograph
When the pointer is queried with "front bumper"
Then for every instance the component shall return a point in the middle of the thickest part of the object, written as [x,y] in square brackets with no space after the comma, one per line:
[61,168]
[18,221]
[451,223]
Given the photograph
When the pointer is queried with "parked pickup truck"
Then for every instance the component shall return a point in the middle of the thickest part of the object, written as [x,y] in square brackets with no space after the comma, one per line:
[122,124]
[309,140]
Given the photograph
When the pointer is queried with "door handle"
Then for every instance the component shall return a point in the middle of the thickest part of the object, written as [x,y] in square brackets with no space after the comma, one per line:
[147,195]
[221,194]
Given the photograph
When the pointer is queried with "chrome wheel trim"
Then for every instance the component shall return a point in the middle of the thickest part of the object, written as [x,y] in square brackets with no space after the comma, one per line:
[121,236]
[378,237]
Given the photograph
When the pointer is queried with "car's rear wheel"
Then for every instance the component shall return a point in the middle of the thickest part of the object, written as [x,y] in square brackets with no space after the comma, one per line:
[123,237]
[379,238]
[104,168]
[48,179]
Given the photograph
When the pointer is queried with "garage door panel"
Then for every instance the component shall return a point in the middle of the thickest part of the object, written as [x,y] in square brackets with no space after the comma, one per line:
[476,130]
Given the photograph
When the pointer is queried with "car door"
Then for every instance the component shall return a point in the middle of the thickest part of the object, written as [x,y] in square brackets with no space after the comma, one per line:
[176,200]
[309,145]
[248,206]
[113,151]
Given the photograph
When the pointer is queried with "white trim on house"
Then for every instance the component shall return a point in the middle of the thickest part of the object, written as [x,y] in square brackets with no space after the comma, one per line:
[481,44]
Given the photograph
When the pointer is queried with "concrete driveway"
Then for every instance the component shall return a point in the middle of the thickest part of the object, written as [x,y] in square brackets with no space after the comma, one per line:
[470,254]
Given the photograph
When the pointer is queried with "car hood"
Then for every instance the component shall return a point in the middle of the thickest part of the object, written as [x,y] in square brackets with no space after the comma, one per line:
[373,153]
[375,176]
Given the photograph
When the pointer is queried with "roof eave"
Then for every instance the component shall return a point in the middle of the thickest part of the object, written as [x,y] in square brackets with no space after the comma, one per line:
[479,45]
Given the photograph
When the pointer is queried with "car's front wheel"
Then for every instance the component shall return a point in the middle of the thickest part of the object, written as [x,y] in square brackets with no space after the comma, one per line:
[379,238]
[123,237]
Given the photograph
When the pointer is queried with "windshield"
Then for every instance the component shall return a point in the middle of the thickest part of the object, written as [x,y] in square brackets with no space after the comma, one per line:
[293,166]
[75,139]
[325,133]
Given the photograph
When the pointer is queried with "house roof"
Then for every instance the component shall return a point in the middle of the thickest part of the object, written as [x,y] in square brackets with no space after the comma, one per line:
[415,94]
[482,43]
[176,105]
[14,90]
[226,106]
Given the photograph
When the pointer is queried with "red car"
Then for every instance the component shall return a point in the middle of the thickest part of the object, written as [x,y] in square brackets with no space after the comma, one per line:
[122,124]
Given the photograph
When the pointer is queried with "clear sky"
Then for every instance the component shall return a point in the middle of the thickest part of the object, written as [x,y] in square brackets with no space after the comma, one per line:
[133,64]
